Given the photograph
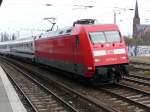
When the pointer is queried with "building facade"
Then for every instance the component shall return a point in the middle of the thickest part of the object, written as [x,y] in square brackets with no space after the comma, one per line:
[139,30]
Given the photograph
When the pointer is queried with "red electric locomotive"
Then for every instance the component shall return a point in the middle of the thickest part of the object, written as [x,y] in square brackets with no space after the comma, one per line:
[96,52]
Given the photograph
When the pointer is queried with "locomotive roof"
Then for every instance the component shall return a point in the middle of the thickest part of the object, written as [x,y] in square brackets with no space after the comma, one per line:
[101,26]
[77,28]
[63,31]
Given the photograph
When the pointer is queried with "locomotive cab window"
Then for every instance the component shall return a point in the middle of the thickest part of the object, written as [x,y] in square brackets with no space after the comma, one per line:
[105,37]
[97,37]
[113,36]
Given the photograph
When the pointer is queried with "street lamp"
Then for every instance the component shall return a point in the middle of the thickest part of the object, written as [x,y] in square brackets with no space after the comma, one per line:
[115,15]
[118,9]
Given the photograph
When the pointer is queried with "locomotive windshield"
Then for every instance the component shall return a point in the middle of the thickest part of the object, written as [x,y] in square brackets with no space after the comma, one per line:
[104,37]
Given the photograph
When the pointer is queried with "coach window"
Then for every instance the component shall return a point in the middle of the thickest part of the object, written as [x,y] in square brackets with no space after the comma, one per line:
[31,44]
[23,45]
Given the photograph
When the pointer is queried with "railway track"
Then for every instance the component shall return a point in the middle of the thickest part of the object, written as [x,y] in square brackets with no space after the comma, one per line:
[143,71]
[138,80]
[136,77]
[136,97]
[40,98]
[140,66]
[114,102]
[65,99]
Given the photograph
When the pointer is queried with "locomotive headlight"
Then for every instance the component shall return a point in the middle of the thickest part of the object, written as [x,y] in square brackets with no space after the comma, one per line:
[90,68]
[123,57]
[97,60]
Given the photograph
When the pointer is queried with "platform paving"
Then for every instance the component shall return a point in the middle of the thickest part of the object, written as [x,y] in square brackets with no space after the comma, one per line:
[9,100]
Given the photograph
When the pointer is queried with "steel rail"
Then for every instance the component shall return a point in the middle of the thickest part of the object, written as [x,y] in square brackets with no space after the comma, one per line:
[140,63]
[136,81]
[139,77]
[128,99]
[68,106]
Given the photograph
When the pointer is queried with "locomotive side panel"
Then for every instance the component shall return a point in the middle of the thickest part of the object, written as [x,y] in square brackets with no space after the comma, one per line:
[61,52]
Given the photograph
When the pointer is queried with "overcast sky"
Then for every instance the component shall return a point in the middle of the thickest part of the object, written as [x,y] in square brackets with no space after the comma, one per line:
[28,14]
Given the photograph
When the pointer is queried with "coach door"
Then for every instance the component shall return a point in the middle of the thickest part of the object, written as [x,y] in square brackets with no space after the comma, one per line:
[76,53]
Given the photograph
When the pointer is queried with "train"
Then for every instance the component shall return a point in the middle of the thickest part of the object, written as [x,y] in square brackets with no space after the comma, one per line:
[96,52]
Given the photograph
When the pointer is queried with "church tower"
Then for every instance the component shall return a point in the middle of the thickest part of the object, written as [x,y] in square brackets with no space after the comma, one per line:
[136,20]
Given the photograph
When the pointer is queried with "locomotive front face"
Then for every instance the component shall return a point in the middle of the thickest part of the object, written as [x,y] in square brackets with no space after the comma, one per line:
[108,52]
[108,48]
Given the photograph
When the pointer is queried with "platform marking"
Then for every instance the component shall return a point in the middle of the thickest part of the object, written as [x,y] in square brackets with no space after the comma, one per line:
[14,100]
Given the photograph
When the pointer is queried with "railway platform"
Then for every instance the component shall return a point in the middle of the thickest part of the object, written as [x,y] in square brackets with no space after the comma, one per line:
[9,100]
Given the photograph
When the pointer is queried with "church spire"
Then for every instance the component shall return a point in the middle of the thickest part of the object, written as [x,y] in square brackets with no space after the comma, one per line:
[136,20]
[136,10]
